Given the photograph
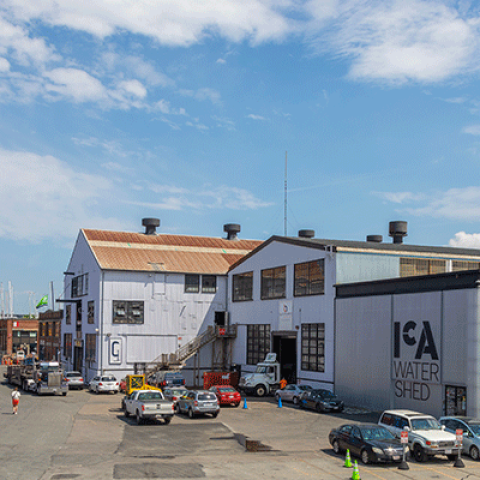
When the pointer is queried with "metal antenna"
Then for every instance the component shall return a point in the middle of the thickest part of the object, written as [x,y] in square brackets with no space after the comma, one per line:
[285,200]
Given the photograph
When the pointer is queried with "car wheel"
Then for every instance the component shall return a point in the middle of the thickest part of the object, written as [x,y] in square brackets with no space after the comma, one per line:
[215,415]
[277,397]
[474,453]
[452,457]
[139,418]
[336,447]
[176,409]
[96,391]
[318,408]
[64,394]
[25,386]
[190,413]
[260,391]
[126,413]
[365,457]
[296,400]
[236,404]
[419,453]
[167,420]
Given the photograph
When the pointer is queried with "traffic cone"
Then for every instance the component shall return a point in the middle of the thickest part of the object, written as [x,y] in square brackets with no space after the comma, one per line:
[348,461]
[355,474]
[245,402]
[279,402]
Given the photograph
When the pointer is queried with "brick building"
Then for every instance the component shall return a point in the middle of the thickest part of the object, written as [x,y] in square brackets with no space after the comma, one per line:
[49,334]
[16,333]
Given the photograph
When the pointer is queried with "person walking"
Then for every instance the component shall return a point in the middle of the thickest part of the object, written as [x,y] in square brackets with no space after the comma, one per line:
[15,400]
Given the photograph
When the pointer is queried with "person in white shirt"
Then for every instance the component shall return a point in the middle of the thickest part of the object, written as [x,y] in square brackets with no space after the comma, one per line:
[15,400]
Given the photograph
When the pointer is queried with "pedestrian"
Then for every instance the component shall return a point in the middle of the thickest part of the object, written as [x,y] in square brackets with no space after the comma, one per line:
[15,400]
[283,383]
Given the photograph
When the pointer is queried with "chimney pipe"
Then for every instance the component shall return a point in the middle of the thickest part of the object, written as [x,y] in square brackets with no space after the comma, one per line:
[375,238]
[306,233]
[150,225]
[397,230]
[232,229]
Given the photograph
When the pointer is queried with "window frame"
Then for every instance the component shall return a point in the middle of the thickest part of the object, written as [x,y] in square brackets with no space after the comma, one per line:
[67,345]
[308,278]
[128,317]
[90,347]
[313,347]
[205,281]
[192,287]
[242,287]
[273,286]
[258,343]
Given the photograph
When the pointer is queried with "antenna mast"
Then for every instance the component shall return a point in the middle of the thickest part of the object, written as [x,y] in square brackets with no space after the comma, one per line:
[285,200]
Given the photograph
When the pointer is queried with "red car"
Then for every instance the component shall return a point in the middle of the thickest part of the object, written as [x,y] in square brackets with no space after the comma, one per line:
[226,395]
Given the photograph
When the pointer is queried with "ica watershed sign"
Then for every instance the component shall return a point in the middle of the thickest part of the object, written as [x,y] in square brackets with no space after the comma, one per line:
[416,342]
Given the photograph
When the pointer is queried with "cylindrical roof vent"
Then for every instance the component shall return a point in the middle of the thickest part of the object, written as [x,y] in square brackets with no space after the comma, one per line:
[306,233]
[232,229]
[397,230]
[150,225]
[375,238]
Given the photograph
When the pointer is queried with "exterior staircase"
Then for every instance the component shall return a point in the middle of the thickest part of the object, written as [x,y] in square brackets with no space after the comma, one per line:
[175,361]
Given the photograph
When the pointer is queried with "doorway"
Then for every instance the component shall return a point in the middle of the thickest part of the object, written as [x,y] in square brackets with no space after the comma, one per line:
[455,400]
[78,358]
[286,349]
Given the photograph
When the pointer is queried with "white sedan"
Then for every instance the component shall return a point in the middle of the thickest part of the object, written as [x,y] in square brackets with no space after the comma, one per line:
[292,393]
[106,383]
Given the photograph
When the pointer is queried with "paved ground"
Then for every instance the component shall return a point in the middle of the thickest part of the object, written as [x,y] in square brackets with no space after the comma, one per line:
[85,436]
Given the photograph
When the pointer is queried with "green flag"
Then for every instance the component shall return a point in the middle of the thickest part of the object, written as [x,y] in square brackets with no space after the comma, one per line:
[43,301]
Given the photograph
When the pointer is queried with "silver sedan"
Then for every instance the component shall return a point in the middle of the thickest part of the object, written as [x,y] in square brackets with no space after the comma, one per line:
[104,384]
[292,393]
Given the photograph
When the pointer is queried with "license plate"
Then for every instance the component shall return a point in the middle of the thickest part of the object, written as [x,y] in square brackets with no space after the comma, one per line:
[209,404]
[448,452]
[396,457]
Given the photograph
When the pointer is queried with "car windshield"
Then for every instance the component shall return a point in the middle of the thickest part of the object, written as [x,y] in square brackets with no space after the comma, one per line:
[425,424]
[108,379]
[226,390]
[327,394]
[73,374]
[304,388]
[475,427]
[376,433]
[150,396]
[207,397]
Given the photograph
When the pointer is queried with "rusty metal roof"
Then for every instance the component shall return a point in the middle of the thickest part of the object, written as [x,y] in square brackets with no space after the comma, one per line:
[166,253]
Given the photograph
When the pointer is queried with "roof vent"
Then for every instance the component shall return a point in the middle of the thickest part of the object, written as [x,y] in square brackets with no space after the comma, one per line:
[375,238]
[306,233]
[150,225]
[232,229]
[397,230]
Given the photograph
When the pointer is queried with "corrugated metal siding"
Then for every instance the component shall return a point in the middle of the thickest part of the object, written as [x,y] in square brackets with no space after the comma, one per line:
[358,267]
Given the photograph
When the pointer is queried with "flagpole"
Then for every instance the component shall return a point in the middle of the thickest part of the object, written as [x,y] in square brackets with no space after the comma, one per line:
[52,301]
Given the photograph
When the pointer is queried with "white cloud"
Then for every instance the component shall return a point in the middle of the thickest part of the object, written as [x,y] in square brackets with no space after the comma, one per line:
[472,129]
[134,88]
[44,198]
[4,65]
[221,61]
[202,94]
[255,117]
[465,240]
[399,197]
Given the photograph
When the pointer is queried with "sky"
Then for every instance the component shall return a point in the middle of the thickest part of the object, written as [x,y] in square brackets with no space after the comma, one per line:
[183,110]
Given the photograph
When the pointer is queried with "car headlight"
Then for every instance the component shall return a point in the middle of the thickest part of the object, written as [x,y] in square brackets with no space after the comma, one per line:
[378,451]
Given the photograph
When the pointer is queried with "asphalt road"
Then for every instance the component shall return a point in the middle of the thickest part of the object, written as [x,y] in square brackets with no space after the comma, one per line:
[86,436]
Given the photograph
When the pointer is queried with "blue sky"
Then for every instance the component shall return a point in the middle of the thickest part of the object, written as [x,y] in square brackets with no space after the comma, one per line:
[111,111]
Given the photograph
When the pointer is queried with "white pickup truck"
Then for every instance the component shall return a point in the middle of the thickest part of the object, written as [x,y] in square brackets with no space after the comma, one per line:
[148,405]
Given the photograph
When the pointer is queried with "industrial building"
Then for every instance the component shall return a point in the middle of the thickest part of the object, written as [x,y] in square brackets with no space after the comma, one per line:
[135,298]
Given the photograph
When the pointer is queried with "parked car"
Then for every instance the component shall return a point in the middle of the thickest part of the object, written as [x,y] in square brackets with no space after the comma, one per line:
[74,380]
[471,433]
[370,442]
[198,402]
[292,393]
[174,393]
[426,437]
[165,379]
[107,383]
[226,395]
[148,405]
[123,384]
[321,400]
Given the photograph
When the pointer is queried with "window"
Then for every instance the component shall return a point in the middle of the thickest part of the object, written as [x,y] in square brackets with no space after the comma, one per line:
[410,267]
[67,346]
[243,287]
[459,265]
[40,329]
[209,283]
[80,285]
[258,343]
[91,312]
[309,278]
[127,312]
[68,314]
[273,283]
[90,346]
[192,283]
[313,347]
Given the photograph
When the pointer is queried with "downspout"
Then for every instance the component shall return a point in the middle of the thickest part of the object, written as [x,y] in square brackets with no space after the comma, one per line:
[101,322]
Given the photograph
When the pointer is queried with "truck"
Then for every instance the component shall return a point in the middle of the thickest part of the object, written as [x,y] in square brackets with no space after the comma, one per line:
[50,379]
[23,374]
[136,382]
[148,405]
[265,380]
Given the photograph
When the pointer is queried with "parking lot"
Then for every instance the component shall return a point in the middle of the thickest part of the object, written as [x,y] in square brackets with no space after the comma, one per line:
[86,436]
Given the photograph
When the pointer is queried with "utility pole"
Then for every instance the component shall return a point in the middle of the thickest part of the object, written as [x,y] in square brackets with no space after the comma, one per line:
[285,200]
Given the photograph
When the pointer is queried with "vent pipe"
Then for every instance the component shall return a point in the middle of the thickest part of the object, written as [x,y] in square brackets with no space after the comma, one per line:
[150,225]
[397,230]
[375,238]
[306,233]
[232,229]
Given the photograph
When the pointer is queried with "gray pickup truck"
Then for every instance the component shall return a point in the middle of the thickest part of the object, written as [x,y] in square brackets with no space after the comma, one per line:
[148,405]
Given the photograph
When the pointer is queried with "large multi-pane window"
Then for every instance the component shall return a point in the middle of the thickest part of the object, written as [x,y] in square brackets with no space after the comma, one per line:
[91,312]
[67,345]
[127,312]
[90,346]
[258,343]
[313,347]
[80,285]
[309,278]
[273,283]
[209,283]
[243,287]
[410,267]
[458,265]
[192,283]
